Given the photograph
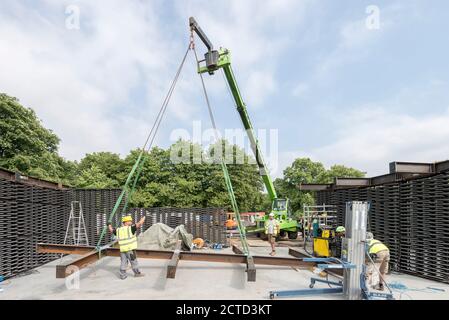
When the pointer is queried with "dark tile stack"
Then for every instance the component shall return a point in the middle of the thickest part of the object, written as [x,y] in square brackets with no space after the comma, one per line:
[205,223]
[31,214]
[97,205]
[28,215]
[410,217]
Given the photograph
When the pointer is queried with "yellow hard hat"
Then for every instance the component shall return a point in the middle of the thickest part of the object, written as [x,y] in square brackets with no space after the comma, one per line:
[127,219]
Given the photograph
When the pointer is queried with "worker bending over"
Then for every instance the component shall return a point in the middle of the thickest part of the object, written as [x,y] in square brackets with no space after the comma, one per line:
[380,254]
[272,229]
[340,232]
[127,240]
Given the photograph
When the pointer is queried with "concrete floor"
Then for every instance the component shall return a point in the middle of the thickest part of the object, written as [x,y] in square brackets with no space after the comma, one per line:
[194,281]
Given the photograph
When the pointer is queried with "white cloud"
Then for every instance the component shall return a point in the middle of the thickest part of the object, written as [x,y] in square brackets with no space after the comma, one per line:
[370,138]
[260,85]
[255,33]
[300,89]
[81,82]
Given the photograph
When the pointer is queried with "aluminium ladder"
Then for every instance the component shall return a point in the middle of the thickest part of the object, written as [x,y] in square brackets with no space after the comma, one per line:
[76,233]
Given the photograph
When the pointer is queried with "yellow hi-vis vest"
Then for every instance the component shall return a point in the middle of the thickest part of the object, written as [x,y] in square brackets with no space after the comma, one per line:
[276,226]
[375,246]
[126,239]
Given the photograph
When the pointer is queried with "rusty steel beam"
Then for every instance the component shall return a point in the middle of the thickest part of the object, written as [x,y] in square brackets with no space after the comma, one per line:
[18,177]
[63,248]
[250,267]
[66,269]
[296,253]
[314,187]
[144,254]
[173,263]
[236,249]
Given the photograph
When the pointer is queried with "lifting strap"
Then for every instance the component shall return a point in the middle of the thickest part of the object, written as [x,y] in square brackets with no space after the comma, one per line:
[138,165]
[241,227]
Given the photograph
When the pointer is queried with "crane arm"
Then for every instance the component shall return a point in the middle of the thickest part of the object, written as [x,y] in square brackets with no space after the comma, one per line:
[214,60]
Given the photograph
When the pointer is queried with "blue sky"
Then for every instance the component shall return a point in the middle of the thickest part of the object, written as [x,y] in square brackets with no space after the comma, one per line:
[337,91]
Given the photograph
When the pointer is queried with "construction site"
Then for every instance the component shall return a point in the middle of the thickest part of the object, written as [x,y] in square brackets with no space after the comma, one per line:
[371,238]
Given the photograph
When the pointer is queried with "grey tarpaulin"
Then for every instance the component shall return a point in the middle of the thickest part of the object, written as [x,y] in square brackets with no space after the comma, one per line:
[161,237]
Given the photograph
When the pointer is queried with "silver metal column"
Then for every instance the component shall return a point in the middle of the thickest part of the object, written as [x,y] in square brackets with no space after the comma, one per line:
[353,247]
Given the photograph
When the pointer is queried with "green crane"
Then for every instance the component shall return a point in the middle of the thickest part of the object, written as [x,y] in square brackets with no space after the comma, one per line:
[221,59]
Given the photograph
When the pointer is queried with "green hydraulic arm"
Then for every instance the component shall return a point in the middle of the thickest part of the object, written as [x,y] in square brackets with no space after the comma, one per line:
[215,60]
[221,59]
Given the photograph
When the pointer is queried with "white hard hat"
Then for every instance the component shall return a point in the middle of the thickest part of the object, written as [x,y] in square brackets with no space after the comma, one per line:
[271,214]
[369,236]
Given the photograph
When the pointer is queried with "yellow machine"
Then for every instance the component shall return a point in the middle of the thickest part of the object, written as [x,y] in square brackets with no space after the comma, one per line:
[322,243]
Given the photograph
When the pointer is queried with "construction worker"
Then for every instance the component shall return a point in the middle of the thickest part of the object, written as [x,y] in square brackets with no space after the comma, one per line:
[127,240]
[340,232]
[272,229]
[380,255]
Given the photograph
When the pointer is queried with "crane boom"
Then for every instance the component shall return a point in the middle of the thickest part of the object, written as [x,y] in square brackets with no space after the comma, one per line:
[241,109]
[215,60]
[221,59]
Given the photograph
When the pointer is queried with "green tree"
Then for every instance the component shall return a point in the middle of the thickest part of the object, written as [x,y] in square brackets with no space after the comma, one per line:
[26,146]
[108,163]
[93,178]
[304,170]
[339,171]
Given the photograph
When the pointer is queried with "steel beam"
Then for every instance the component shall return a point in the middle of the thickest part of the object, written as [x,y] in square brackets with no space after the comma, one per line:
[351,182]
[93,256]
[17,177]
[63,248]
[442,166]
[411,167]
[250,267]
[144,254]
[314,187]
[236,249]
[296,253]
[173,263]
[66,269]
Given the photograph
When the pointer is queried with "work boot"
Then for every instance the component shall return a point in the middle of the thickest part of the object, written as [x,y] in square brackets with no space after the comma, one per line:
[139,274]
[123,276]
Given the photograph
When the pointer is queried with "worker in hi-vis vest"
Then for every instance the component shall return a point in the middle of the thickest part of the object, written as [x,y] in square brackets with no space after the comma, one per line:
[272,229]
[380,255]
[127,240]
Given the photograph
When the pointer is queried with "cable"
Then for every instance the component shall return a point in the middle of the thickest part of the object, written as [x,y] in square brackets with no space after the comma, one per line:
[227,178]
[148,142]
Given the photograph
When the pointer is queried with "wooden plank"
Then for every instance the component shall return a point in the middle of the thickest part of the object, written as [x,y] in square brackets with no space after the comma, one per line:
[173,264]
